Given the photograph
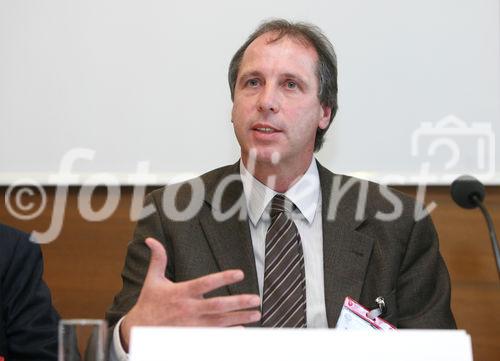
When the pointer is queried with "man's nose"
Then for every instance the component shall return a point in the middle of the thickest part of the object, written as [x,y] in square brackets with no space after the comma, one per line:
[268,100]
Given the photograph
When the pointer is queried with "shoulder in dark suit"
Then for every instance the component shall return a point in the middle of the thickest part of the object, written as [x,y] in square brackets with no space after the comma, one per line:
[364,255]
[28,321]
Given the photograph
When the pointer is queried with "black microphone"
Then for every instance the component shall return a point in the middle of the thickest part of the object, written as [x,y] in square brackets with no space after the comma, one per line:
[469,193]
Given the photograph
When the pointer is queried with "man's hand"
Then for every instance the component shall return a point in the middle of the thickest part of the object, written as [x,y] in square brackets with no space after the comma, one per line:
[165,303]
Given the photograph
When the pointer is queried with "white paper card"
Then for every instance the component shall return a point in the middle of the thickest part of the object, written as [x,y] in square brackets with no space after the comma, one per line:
[250,344]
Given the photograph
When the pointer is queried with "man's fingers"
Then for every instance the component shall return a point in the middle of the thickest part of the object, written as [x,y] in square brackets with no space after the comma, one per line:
[158,260]
[205,284]
[225,304]
[232,318]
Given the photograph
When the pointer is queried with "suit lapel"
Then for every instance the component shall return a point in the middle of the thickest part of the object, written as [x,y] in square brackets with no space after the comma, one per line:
[229,237]
[346,252]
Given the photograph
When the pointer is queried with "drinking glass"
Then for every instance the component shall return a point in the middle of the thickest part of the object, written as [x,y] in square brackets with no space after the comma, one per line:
[82,340]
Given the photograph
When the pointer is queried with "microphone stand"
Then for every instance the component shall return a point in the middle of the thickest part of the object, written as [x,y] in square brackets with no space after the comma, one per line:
[491,229]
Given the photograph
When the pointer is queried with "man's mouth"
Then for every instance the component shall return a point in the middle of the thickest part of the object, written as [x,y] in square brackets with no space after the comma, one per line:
[265,128]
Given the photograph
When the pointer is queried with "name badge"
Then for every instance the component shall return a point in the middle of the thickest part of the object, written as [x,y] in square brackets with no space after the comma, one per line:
[356,317]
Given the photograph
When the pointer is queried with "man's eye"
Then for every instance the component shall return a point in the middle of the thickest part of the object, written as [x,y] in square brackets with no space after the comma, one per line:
[291,85]
[253,82]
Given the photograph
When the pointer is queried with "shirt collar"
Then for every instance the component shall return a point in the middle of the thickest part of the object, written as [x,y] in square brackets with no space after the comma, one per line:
[304,194]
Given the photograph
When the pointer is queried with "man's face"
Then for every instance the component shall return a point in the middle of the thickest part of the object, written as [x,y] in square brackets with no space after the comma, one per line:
[276,106]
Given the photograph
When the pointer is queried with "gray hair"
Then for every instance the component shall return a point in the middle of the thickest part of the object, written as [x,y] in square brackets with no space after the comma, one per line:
[326,68]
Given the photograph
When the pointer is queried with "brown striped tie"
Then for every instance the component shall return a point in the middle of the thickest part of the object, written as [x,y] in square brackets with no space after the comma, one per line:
[284,300]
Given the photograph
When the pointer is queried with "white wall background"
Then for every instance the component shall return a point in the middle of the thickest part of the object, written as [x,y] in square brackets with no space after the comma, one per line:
[146,81]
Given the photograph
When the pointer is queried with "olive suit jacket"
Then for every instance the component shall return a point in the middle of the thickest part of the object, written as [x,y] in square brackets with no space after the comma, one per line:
[363,256]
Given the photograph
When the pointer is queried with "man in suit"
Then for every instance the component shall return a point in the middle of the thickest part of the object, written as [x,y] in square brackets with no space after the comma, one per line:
[28,321]
[276,239]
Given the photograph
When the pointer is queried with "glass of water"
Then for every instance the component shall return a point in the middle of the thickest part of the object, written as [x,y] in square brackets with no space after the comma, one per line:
[82,340]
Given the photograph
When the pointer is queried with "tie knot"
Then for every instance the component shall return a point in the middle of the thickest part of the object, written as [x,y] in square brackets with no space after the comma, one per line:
[280,204]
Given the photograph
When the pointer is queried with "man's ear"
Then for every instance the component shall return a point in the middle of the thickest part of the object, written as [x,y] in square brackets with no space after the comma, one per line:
[325,117]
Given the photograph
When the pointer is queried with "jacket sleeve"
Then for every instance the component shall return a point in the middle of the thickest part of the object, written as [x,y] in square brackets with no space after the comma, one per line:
[137,260]
[30,319]
[423,290]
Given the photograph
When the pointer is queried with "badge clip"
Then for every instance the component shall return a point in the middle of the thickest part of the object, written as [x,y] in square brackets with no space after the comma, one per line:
[380,310]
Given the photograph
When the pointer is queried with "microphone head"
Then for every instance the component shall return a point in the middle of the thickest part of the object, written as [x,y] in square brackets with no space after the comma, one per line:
[463,190]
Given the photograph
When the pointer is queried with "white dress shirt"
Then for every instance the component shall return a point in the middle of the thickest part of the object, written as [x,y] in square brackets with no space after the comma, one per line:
[306,195]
